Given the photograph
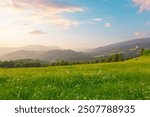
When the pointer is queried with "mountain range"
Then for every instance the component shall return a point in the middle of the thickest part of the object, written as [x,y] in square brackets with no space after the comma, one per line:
[5,50]
[130,48]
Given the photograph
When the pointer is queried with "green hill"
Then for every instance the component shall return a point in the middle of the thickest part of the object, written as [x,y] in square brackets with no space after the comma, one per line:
[122,80]
[129,49]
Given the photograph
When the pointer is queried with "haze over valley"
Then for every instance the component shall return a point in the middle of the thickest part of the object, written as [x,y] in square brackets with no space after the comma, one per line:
[129,48]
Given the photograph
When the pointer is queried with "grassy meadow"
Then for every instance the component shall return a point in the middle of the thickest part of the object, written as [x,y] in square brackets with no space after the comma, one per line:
[114,81]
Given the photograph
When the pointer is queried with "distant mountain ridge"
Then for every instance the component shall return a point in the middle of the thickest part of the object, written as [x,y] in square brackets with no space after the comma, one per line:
[129,48]
[122,47]
[51,55]
[40,47]
[5,50]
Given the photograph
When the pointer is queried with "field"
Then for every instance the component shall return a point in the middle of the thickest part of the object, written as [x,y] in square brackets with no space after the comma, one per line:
[116,81]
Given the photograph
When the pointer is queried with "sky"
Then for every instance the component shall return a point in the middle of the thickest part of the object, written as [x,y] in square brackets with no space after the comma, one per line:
[72,24]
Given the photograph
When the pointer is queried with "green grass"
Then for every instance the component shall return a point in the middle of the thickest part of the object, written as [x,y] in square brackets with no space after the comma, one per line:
[123,80]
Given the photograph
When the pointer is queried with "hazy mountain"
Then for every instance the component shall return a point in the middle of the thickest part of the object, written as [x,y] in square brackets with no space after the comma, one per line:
[52,55]
[39,48]
[131,47]
[4,50]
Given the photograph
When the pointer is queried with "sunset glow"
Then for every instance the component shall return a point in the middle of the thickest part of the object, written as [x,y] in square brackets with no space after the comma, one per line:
[72,23]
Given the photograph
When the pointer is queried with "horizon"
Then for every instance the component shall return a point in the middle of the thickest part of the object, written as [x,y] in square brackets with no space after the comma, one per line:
[72,24]
[76,49]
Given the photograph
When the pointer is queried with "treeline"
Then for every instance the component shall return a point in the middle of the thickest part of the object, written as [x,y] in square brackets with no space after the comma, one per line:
[22,63]
[145,52]
[113,58]
[109,58]
[37,63]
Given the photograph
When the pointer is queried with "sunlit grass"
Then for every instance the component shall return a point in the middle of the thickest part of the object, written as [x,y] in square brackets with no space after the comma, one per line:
[122,80]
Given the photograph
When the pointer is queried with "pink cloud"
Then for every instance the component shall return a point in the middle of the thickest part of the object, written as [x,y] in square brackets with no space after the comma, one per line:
[143,4]
[42,11]
[108,25]
[52,6]
[140,34]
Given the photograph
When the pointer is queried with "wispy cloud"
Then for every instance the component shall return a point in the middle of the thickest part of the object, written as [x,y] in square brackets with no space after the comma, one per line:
[52,6]
[140,34]
[143,4]
[37,32]
[108,25]
[42,11]
[95,20]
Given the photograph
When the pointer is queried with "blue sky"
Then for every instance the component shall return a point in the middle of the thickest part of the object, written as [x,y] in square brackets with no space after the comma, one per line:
[72,23]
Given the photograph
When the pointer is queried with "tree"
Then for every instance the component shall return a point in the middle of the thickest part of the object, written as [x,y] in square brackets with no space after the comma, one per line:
[115,57]
[63,62]
[96,61]
[145,52]
[120,57]
[18,65]
[142,51]
[108,59]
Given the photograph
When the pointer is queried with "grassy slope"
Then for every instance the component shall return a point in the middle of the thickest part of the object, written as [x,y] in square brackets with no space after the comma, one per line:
[124,80]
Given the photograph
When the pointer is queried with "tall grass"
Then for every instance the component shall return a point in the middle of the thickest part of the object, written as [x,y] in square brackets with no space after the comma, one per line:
[122,80]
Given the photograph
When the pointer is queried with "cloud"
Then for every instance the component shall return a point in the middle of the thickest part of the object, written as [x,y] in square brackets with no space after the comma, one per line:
[64,23]
[148,23]
[95,20]
[51,6]
[140,34]
[144,5]
[137,34]
[108,25]
[37,32]
[42,11]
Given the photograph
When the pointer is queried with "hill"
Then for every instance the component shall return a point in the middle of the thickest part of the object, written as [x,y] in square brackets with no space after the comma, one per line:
[129,49]
[128,80]
[51,55]
[39,48]
[6,50]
